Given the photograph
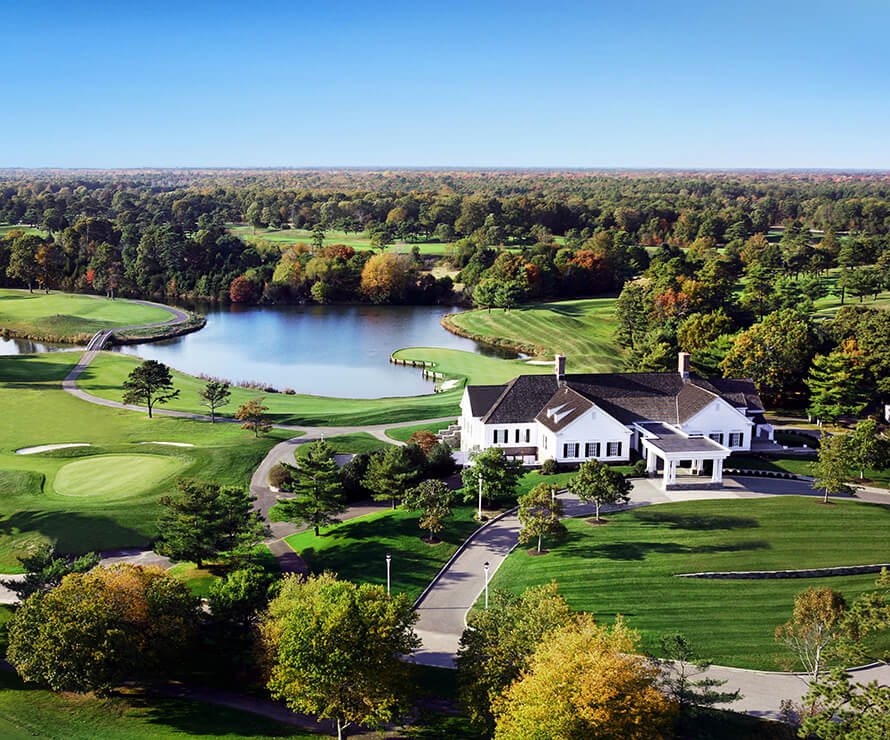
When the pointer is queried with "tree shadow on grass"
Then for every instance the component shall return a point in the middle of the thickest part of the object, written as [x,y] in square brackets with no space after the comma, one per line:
[695,522]
[72,532]
[637,551]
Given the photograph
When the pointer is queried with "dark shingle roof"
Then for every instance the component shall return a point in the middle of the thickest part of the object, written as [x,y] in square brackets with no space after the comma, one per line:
[629,397]
[562,409]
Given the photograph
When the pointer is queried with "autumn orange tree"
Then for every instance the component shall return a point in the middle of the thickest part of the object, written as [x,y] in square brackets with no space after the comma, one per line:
[385,277]
[100,628]
[817,629]
[585,682]
[253,414]
[424,439]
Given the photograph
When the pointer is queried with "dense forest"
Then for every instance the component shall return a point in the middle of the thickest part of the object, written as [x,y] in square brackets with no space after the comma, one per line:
[164,233]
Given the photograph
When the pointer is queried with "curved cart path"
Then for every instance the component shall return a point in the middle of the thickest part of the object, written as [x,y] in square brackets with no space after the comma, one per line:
[443,607]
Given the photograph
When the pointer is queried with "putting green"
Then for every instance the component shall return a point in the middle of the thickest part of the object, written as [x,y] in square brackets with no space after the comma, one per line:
[114,476]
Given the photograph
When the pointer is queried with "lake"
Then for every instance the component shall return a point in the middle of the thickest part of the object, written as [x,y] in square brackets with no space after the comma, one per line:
[321,350]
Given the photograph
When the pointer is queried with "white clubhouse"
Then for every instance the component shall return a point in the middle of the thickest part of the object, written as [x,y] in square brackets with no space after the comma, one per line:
[669,418]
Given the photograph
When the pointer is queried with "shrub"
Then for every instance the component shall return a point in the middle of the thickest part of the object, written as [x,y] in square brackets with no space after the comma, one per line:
[280,478]
[638,469]
[549,467]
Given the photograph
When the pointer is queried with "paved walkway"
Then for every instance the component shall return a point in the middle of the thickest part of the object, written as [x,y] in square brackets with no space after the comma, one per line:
[442,609]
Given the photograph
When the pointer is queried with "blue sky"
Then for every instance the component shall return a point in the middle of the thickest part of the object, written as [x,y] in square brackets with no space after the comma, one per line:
[780,84]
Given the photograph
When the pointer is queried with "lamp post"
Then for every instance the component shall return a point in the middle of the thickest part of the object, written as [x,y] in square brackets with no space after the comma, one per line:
[388,561]
[486,583]
[480,497]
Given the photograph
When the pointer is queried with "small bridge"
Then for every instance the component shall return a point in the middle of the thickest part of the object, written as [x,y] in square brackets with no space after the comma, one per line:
[100,340]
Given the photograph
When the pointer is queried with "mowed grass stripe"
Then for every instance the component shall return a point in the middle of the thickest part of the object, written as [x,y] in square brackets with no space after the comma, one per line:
[628,567]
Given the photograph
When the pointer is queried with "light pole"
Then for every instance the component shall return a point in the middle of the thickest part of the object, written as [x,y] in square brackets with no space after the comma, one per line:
[388,561]
[480,497]
[486,583]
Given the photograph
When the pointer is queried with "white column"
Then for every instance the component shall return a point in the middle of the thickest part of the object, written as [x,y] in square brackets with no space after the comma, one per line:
[666,476]
[651,461]
[717,475]
[674,464]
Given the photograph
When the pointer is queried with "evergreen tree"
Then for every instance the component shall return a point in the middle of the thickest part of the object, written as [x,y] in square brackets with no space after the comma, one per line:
[391,474]
[837,384]
[149,383]
[319,492]
[213,395]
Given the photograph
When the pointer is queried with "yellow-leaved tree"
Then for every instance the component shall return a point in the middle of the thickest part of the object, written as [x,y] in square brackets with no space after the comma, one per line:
[584,682]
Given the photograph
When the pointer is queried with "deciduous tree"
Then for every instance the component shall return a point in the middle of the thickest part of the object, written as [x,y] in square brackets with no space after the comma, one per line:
[867,449]
[815,628]
[253,414]
[337,650]
[600,484]
[385,277]
[435,502]
[500,475]
[498,643]
[150,383]
[585,682]
[425,440]
[831,470]
[539,515]
[100,628]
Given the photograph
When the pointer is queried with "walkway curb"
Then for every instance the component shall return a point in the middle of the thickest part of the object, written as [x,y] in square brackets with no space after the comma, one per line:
[463,546]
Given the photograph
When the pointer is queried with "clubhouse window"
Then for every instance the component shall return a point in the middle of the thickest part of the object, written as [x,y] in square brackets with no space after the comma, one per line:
[613,449]
[735,439]
[592,449]
[570,449]
[717,437]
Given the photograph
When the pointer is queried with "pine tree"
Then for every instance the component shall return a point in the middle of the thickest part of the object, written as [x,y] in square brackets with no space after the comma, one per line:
[316,483]
[837,384]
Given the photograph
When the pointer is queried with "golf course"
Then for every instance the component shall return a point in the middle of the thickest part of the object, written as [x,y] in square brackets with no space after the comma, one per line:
[66,317]
[630,566]
[103,493]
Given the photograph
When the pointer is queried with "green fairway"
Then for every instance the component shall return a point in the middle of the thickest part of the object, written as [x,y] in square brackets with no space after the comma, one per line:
[115,476]
[478,369]
[6,228]
[68,317]
[582,330]
[36,411]
[403,434]
[106,374]
[28,712]
[356,550]
[628,567]
[349,444]
[801,465]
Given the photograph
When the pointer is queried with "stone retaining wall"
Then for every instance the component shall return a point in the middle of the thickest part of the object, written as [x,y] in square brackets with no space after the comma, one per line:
[848,570]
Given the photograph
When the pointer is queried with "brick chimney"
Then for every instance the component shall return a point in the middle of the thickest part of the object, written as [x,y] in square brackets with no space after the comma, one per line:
[560,367]
[683,365]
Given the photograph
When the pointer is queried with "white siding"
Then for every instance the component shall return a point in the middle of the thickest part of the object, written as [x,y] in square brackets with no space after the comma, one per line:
[720,418]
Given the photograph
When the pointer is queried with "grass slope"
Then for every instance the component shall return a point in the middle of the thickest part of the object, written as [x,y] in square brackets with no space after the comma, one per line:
[802,465]
[106,374]
[478,369]
[627,567]
[403,434]
[28,712]
[66,316]
[36,411]
[582,330]
[356,550]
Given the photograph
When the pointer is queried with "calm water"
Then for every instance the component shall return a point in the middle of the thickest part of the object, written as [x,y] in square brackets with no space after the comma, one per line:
[322,350]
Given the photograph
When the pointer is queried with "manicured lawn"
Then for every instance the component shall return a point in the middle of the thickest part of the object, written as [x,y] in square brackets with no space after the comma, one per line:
[63,316]
[106,374]
[350,444]
[6,228]
[28,712]
[199,579]
[628,567]
[802,465]
[356,550]
[582,330]
[477,369]
[123,508]
[403,434]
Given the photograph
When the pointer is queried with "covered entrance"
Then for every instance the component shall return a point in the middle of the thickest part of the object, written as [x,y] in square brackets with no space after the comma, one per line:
[665,443]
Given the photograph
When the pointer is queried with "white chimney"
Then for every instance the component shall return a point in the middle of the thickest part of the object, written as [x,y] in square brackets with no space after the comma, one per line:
[683,365]
[560,367]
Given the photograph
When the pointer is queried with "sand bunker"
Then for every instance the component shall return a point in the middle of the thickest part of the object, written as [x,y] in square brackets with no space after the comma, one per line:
[449,384]
[169,444]
[47,448]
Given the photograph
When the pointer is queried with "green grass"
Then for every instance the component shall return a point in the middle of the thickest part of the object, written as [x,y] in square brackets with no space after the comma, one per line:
[403,434]
[478,369]
[582,330]
[36,411]
[802,465]
[350,444]
[200,579]
[63,316]
[115,476]
[106,374]
[6,228]
[627,567]
[28,712]
[356,550]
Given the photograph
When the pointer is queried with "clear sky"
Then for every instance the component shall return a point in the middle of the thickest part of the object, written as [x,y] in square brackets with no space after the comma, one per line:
[779,84]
